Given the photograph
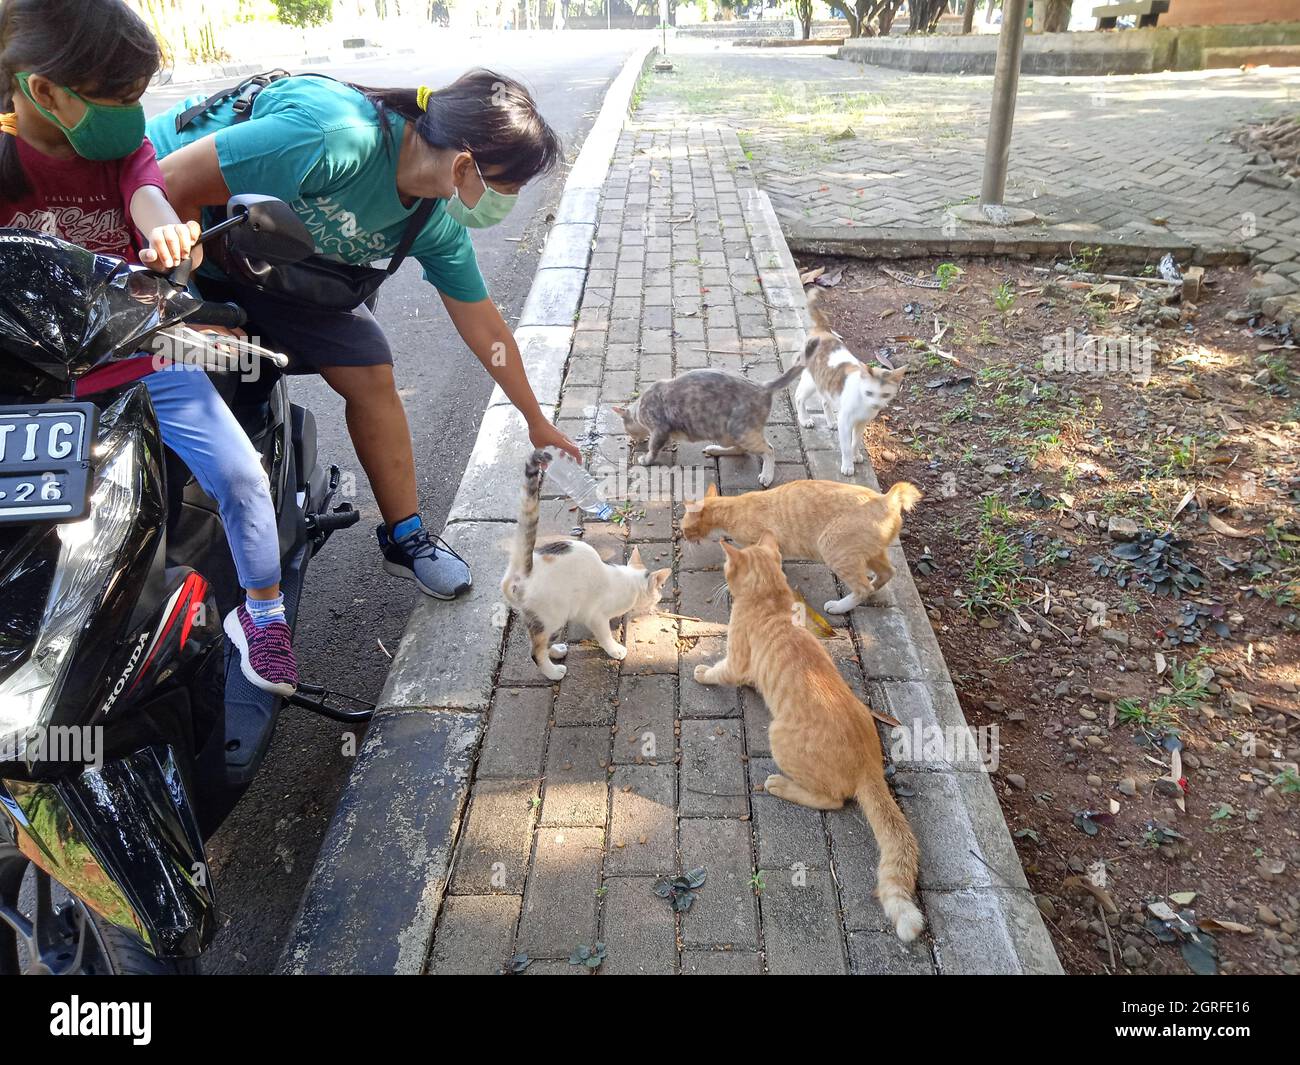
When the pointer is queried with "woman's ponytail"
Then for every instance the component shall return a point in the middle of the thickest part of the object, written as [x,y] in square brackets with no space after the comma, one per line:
[489,115]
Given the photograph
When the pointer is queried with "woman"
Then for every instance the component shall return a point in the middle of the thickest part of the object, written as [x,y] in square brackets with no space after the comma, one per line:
[355,163]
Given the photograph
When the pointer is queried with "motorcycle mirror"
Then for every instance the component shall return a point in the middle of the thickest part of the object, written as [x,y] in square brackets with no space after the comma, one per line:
[271,231]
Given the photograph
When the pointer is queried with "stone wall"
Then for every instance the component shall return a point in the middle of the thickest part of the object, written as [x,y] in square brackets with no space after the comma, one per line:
[1087,53]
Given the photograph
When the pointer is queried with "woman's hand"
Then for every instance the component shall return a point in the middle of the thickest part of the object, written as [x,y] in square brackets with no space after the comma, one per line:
[543,435]
[170,245]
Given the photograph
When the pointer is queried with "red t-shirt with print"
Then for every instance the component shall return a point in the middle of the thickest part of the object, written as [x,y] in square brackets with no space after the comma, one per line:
[86,203]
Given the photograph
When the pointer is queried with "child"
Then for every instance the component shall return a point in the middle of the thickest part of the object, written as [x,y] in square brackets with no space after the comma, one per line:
[75,164]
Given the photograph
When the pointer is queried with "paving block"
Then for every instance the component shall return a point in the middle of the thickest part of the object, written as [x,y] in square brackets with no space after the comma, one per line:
[725,909]
[576,778]
[637,928]
[651,645]
[492,856]
[587,692]
[560,902]
[705,700]
[517,665]
[712,770]
[801,926]
[645,725]
[699,596]
[883,954]
[758,719]
[721,963]
[641,836]
[474,935]
[788,834]
[516,734]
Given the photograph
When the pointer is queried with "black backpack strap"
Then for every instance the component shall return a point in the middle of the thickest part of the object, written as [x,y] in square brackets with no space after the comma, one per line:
[245,93]
[413,229]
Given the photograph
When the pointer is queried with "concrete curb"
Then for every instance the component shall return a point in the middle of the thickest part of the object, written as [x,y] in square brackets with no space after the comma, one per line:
[1044,242]
[374,894]
[981,914]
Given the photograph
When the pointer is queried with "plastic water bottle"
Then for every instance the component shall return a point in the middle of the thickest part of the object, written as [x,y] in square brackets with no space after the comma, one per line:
[576,483]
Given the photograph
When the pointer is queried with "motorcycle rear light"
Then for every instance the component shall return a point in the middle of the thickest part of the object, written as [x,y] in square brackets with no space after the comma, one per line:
[87,565]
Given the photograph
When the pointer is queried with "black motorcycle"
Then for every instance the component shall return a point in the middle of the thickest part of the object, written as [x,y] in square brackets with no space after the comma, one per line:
[127,730]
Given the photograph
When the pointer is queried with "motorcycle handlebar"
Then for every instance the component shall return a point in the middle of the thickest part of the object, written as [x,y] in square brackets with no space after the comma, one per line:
[225,315]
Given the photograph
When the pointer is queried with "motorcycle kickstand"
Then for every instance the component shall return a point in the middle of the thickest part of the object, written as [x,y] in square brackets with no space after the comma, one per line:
[316,698]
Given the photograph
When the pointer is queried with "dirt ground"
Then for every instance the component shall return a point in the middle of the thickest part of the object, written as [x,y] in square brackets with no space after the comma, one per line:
[1112,567]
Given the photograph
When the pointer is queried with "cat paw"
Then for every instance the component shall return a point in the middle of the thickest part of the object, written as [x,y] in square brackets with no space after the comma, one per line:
[773,784]
[559,650]
[765,479]
[702,674]
[645,460]
[846,468]
[715,450]
[618,652]
[807,423]
[556,672]
[838,606]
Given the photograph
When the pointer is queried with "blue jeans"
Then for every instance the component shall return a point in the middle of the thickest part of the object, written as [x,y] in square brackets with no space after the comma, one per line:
[197,425]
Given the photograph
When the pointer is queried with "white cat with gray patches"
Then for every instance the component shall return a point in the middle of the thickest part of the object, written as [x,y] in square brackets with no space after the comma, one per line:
[707,405]
[565,581]
[852,392]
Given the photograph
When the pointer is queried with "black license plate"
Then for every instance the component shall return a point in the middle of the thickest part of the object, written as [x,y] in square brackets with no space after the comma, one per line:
[45,471]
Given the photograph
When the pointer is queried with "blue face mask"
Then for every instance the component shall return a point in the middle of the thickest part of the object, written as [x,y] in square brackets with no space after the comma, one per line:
[492,206]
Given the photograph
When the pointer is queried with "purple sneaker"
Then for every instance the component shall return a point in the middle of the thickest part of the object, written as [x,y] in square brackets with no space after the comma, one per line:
[265,655]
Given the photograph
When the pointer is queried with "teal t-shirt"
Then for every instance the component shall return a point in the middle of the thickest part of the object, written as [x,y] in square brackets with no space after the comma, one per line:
[320,146]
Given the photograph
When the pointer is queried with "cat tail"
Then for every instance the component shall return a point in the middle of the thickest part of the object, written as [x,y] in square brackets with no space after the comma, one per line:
[899,856]
[521,556]
[795,370]
[815,312]
[903,495]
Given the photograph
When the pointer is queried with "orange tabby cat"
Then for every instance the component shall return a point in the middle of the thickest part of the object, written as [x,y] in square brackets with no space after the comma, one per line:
[846,526]
[823,739]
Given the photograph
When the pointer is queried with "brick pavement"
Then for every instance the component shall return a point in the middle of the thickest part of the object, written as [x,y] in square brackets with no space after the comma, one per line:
[587,791]
[1115,159]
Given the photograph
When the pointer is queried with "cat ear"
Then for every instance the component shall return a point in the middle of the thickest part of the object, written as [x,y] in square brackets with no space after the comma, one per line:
[711,492]
[659,578]
[634,560]
[729,550]
[621,411]
[894,376]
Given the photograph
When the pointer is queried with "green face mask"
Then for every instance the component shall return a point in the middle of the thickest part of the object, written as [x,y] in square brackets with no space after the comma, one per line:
[491,208]
[105,132]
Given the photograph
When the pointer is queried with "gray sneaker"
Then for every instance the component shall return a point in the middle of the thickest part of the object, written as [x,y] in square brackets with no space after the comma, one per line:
[426,559]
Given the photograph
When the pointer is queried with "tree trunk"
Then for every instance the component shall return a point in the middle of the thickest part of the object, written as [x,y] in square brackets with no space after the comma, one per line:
[968,17]
[1056,15]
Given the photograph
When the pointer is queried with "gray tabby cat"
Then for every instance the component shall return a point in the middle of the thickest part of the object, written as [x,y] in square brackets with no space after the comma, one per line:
[707,405]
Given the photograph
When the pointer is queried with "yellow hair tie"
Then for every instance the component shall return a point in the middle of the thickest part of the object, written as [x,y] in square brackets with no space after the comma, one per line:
[9,124]
[422,95]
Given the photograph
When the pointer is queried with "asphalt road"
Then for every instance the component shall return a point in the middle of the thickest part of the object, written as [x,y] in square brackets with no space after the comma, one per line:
[351,610]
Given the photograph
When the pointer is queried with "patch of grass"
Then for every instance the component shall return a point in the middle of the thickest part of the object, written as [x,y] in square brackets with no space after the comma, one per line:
[995,579]
[947,273]
[1287,782]
[1004,297]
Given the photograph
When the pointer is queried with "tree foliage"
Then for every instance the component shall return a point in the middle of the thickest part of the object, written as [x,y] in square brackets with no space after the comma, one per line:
[304,13]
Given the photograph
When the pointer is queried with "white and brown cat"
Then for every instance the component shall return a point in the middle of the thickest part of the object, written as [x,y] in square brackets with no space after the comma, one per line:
[565,581]
[852,392]
[823,739]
